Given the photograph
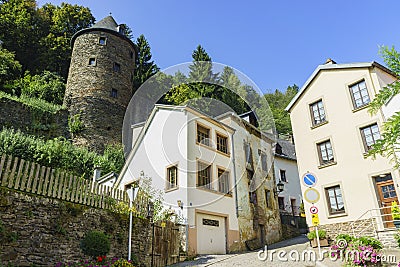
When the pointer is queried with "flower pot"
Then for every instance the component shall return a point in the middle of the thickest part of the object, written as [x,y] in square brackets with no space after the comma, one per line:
[396,223]
[322,243]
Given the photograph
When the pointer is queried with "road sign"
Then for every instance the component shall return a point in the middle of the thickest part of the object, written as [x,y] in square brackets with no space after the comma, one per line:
[309,179]
[314,210]
[311,195]
[315,219]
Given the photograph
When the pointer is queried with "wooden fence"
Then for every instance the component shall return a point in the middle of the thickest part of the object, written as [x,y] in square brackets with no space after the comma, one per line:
[30,177]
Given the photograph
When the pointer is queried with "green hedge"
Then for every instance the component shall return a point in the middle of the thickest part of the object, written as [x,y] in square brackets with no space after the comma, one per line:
[60,153]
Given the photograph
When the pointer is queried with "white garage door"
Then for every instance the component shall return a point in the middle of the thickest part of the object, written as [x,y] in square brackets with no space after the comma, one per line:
[211,235]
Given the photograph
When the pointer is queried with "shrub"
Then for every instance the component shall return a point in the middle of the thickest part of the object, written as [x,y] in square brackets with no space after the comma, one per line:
[395,211]
[95,244]
[122,263]
[370,241]
[346,237]
[321,233]
[75,124]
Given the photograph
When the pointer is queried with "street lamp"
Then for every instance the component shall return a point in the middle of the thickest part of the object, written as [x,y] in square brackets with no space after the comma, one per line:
[279,188]
[132,192]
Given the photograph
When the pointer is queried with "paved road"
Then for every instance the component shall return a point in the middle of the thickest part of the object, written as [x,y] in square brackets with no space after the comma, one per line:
[250,259]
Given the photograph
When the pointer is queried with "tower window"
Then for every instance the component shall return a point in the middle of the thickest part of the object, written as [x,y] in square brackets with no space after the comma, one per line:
[114,93]
[102,40]
[131,54]
[92,61]
[117,67]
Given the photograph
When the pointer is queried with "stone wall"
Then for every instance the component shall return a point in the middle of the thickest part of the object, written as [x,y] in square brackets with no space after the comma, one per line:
[33,121]
[332,230]
[41,231]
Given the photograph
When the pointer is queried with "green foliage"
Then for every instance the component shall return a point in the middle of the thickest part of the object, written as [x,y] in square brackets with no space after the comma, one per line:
[60,153]
[47,86]
[388,145]
[277,102]
[370,241]
[40,37]
[35,103]
[125,263]
[10,69]
[395,211]
[145,67]
[397,238]
[321,233]
[346,237]
[95,243]
[75,124]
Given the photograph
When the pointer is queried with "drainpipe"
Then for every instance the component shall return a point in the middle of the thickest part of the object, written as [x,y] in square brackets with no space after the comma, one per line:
[234,176]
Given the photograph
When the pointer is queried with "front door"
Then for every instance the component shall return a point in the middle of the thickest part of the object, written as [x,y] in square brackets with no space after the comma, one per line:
[387,194]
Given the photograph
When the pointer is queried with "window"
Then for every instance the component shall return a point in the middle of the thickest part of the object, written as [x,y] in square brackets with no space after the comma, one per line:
[203,135]
[359,94]
[92,61]
[131,54]
[114,93]
[172,177]
[282,174]
[248,155]
[223,181]
[204,175]
[102,40]
[268,198]
[253,197]
[325,152]
[334,199]
[281,203]
[117,67]
[317,113]
[370,135]
[263,158]
[210,222]
[222,143]
[250,175]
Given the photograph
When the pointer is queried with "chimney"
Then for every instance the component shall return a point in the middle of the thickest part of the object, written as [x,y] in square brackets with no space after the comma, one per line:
[329,61]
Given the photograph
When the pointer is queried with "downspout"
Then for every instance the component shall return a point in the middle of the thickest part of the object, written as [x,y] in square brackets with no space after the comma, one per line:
[234,176]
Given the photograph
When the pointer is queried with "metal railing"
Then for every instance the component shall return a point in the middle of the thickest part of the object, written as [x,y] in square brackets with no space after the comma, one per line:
[379,219]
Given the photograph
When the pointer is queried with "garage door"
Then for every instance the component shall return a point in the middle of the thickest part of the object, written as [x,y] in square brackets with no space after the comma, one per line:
[211,235]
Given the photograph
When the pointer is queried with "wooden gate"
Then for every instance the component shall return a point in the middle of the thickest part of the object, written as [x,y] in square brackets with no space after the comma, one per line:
[165,244]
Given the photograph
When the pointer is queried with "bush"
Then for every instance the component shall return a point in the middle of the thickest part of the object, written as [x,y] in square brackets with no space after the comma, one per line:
[346,237]
[95,244]
[370,241]
[321,233]
[59,153]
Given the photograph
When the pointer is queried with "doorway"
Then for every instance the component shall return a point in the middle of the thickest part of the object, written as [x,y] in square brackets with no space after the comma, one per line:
[386,195]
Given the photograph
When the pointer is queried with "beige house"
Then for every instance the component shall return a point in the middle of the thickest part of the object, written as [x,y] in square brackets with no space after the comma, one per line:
[333,131]
[215,174]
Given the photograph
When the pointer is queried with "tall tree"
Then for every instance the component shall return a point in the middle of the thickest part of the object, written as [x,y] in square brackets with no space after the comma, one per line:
[62,23]
[145,66]
[21,28]
[277,102]
[389,145]
[10,69]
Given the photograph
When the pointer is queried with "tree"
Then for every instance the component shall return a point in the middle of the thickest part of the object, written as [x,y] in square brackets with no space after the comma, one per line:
[10,68]
[145,67]
[21,28]
[277,102]
[389,144]
[62,23]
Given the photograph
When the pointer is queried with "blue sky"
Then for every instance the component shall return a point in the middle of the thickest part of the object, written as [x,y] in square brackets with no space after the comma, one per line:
[275,43]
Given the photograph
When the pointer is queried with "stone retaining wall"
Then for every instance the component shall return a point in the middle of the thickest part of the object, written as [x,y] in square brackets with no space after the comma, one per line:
[42,231]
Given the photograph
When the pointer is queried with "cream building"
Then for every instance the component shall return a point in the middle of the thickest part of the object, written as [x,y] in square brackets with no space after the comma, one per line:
[333,131]
[213,172]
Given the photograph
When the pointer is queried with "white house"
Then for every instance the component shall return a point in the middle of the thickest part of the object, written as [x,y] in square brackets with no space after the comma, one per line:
[213,172]
[285,166]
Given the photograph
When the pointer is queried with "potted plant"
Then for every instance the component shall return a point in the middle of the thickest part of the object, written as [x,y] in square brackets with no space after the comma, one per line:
[323,241]
[395,214]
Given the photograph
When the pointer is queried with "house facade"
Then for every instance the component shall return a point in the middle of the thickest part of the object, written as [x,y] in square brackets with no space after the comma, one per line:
[285,167]
[333,131]
[213,173]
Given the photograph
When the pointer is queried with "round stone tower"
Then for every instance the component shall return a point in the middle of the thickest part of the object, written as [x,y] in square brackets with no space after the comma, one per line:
[100,82]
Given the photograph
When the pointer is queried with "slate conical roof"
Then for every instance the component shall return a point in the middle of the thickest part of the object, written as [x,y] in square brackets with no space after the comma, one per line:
[106,23]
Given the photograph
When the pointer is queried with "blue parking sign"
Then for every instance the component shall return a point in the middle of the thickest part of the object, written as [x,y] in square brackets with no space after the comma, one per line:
[309,179]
